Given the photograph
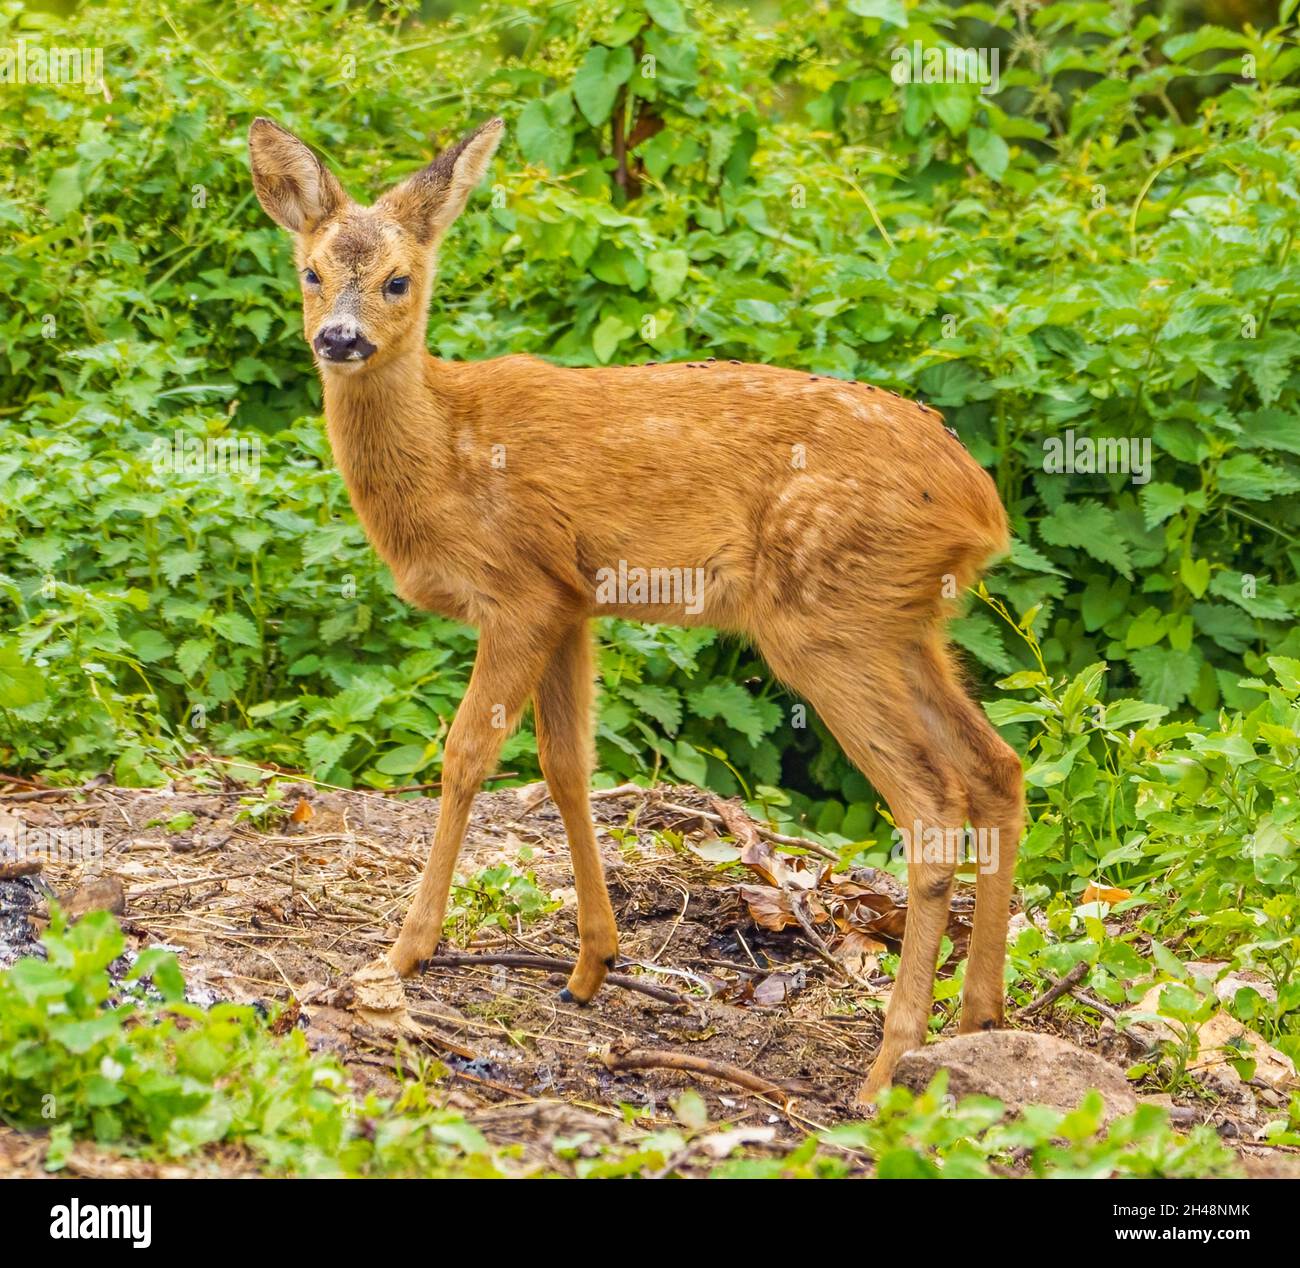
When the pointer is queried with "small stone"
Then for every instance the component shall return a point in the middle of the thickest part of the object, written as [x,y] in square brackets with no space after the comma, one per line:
[1019,1068]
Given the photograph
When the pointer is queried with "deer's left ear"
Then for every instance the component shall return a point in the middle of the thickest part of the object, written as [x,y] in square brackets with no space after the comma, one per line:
[429,201]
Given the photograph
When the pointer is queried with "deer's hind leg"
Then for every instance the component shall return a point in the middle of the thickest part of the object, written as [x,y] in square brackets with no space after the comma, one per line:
[995,809]
[563,703]
[864,688]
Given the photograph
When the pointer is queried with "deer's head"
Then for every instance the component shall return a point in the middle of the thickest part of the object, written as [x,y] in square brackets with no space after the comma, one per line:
[366,272]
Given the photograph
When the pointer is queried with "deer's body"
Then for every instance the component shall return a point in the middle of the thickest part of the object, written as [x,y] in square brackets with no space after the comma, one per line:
[476,481]
[829,522]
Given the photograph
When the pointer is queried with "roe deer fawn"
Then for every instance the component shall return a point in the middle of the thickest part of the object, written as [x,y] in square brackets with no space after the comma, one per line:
[827,520]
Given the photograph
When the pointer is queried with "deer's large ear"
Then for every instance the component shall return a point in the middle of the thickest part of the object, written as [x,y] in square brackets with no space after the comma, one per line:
[294,187]
[429,201]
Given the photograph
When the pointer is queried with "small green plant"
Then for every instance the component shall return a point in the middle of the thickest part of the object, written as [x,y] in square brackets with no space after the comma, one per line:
[502,896]
[133,1066]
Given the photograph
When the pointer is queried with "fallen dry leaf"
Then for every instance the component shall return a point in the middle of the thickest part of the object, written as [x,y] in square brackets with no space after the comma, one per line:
[857,912]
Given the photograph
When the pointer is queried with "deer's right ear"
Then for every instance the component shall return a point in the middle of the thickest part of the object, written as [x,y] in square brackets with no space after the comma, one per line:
[294,187]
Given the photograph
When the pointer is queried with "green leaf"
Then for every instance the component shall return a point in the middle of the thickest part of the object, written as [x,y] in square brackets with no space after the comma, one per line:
[664,704]
[192,655]
[739,709]
[989,152]
[667,272]
[163,969]
[602,73]
[237,628]
[667,14]
[980,635]
[606,338]
[543,131]
[82,1036]
[1195,574]
[21,684]
[1168,677]
[64,193]
[1091,527]
[688,763]
[891,12]
[150,645]
[1119,715]
[326,751]
[1160,501]
[406,760]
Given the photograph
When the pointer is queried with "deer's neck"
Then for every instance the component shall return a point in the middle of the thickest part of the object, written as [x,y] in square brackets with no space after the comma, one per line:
[388,429]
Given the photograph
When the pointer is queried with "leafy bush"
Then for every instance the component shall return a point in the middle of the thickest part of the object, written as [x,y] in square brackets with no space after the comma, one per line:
[1103,246]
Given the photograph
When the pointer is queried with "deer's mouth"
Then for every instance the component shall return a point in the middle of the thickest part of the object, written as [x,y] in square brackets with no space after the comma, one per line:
[341,342]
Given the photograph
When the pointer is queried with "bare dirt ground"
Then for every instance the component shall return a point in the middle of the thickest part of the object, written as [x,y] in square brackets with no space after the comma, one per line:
[289,908]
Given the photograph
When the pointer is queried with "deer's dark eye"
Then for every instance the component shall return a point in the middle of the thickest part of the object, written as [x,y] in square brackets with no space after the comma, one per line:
[397,286]
[309,276]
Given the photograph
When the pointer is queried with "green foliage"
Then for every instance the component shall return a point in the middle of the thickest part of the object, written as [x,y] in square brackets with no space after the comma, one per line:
[1105,250]
[142,1070]
[136,1067]
[928,1136]
[919,1137]
[500,896]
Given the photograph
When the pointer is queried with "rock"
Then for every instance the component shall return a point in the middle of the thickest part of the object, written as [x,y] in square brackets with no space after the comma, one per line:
[1020,1068]
[98,893]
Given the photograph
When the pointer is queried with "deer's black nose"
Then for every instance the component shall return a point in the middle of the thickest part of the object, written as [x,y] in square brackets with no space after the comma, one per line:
[342,341]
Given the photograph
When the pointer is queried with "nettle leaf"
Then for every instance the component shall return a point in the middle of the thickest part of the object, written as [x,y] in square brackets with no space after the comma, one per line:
[1255,595]
[1272,429]
[1168,677]
[979,635]
[192,655]
[1027,556]
[324,751]
[1244,475]
[1091,527]
[176,564]
[1230,627]
[735,705]
[150,645]
[1160,501]
[664,704]
[236,628]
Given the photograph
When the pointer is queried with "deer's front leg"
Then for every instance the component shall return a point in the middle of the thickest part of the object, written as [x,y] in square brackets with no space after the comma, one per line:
[564,747]
[510,660]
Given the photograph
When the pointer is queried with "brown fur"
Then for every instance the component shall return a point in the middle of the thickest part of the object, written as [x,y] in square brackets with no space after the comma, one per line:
[829,520]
